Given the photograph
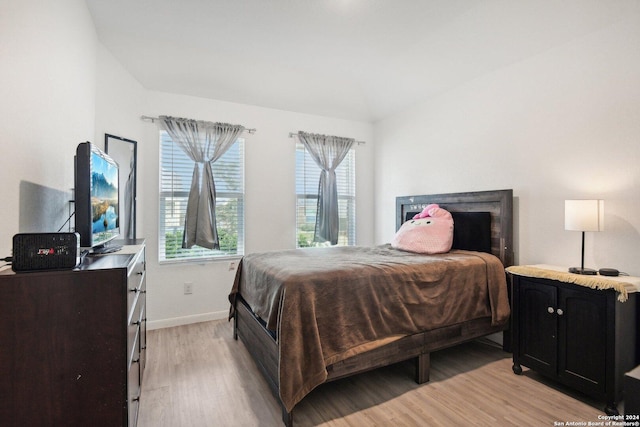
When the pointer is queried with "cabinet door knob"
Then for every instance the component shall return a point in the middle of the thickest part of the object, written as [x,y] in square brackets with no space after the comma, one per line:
[560,312]
[550,310]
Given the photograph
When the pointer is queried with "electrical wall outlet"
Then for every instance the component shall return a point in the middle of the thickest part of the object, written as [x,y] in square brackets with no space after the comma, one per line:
[232,265]
[188,288]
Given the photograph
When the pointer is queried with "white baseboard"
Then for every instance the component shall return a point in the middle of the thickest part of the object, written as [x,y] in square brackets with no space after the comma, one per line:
[185,320]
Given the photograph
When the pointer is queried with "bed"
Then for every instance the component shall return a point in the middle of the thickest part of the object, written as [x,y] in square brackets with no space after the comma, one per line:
[315,315]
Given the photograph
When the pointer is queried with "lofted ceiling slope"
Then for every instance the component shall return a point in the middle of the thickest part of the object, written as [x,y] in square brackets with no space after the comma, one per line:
[353,59]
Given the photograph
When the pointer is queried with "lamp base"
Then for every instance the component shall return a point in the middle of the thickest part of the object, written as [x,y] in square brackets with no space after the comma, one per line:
[585,271]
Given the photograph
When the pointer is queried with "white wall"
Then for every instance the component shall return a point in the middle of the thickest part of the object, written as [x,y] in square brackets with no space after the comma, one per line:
[270,198]
[47,105]
[119,103]
[119,100]
[563,124]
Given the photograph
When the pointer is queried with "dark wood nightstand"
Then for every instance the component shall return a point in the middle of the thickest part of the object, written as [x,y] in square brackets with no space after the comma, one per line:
[581,337]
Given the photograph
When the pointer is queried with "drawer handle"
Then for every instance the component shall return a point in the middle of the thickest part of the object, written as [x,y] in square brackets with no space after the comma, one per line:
[137,322]
[136,399]
[560,312]
[134,290]
[140,273]
[550,310]
[136,361]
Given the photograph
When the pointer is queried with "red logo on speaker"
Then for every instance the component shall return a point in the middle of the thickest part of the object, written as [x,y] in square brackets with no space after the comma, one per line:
[45,251]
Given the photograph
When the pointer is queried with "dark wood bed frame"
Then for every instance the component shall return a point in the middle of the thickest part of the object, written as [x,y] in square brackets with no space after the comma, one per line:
[264,348]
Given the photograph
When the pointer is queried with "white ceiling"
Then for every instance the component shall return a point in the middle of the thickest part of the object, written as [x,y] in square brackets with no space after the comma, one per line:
[352,59]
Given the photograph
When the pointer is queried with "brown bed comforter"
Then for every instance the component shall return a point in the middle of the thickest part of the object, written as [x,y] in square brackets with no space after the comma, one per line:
[328,304]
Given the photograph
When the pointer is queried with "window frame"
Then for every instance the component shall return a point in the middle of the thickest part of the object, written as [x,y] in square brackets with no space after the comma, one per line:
[198,254]
[346,202]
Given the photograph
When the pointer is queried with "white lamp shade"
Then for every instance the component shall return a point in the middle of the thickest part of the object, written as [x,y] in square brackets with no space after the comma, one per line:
[584,215]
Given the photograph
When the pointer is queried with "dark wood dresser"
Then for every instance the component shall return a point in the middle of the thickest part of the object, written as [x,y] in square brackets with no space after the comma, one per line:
[72,343]
[584,338]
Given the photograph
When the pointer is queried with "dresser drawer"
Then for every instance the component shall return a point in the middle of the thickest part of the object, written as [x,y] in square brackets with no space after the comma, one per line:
[142,339]
[135,281]
[133,330]
[133,395]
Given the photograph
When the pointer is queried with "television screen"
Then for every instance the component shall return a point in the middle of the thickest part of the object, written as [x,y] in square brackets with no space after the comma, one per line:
[104,196]
[96,197]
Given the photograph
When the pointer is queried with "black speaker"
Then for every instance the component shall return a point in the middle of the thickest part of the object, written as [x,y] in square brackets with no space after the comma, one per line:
[45,251]
[608,272]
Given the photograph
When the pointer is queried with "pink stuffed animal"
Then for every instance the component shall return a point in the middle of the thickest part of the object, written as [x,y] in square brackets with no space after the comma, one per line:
[429,232]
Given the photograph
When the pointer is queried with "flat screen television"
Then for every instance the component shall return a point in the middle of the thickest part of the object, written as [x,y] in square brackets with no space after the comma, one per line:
[97,208]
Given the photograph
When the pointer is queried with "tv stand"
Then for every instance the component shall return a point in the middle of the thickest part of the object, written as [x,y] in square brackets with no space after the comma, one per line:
[105,249]
[73,342]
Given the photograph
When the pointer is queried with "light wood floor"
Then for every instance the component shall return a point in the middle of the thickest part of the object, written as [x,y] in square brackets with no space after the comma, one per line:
[197,375]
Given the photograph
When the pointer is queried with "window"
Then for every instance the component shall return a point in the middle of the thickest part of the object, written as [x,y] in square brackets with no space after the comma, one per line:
[307,179]
[176,170]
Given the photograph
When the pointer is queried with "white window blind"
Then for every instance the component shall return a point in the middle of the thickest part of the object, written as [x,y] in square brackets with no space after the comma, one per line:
[307,180]
[176,170]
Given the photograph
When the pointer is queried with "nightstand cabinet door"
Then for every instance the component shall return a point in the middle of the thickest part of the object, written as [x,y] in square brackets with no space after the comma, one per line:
[538,327]
[583,332]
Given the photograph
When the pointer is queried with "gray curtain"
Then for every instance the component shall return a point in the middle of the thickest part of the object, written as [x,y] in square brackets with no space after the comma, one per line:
[204,143]
[328,152]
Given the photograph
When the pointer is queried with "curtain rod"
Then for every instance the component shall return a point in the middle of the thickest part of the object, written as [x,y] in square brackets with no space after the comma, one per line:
[292,134]
[153,119]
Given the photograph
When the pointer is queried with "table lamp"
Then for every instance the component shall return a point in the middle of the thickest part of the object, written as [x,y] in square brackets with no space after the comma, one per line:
[583,215]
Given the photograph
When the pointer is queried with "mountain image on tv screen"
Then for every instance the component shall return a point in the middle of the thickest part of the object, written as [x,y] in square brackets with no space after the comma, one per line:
[104,194]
